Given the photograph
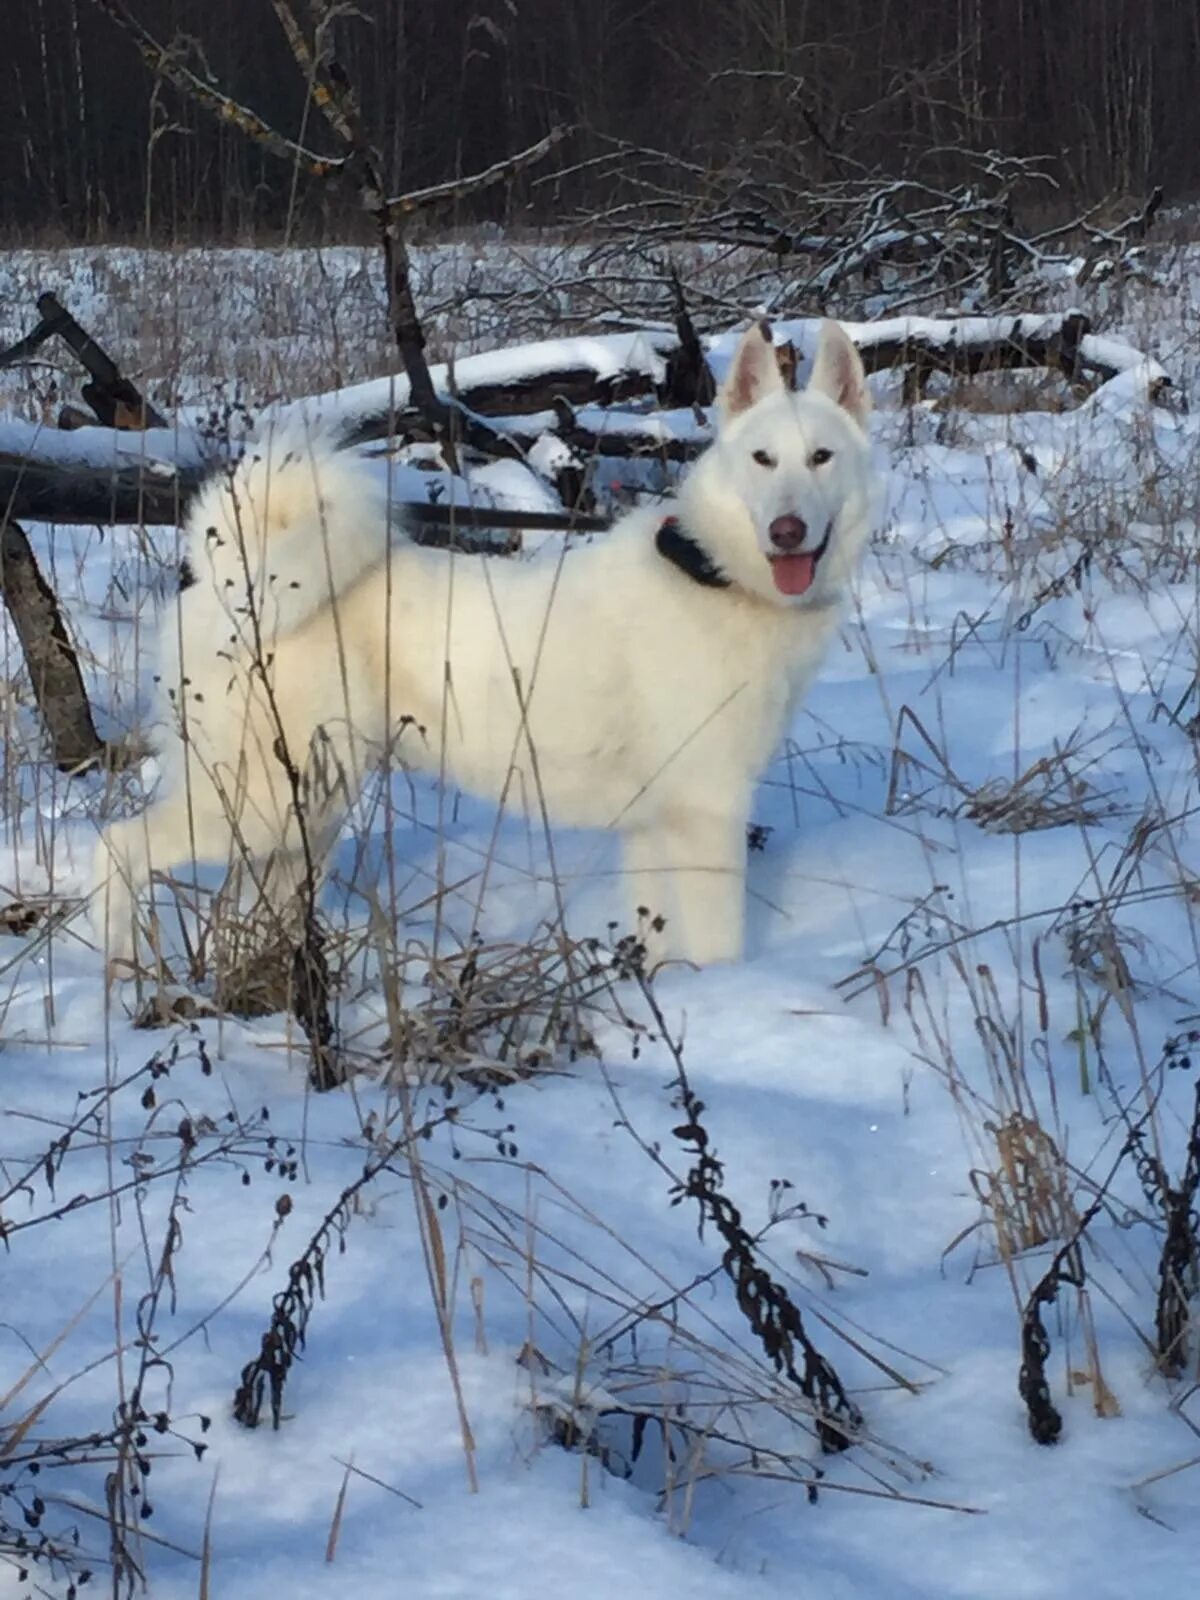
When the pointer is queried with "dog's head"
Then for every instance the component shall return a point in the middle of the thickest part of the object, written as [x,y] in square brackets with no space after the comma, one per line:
[782,500]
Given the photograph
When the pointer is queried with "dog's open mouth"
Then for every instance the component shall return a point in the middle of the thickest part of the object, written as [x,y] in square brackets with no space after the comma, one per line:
[796,574]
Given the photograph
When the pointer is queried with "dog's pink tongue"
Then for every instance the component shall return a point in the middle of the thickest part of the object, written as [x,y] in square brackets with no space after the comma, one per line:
[793,574]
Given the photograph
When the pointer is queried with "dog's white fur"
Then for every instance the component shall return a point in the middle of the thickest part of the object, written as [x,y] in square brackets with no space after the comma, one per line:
[606,689]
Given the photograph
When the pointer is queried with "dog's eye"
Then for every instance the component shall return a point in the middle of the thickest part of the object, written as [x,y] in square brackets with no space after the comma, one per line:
[820,457]
[764,458]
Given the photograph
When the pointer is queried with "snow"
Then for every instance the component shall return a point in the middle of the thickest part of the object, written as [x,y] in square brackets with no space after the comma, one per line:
[1128,392]
[157,450]
[914,978]
[1116,354]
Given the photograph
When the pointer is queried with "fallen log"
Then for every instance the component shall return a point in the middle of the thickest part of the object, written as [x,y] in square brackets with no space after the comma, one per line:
[592,434]
[428,521]
[646,366]
[49,490]
[46,489]
[1054,345]
[596,369]
[964,346]
[513,397]
[116,402]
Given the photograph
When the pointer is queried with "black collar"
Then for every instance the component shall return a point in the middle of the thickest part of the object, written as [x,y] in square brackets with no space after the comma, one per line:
[683,552]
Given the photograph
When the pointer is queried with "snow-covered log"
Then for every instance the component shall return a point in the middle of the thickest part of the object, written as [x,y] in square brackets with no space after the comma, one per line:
[574,399]
[963,346]
[612,370]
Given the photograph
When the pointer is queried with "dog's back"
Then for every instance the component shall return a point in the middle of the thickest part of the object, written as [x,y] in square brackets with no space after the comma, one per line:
[291,528]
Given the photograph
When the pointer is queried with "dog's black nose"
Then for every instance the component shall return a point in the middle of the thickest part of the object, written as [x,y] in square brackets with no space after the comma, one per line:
[788,533]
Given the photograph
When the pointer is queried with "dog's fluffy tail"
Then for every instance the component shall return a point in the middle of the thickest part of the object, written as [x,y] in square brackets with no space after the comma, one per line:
[294,526]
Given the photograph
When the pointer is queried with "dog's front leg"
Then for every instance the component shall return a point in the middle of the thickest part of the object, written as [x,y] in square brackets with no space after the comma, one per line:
[708,871]
[690,868]
[649,890]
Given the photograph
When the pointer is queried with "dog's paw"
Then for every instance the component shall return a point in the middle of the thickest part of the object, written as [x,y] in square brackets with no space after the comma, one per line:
[710,945]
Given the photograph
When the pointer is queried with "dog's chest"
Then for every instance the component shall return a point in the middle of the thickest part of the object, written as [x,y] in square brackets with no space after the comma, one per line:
[727,683]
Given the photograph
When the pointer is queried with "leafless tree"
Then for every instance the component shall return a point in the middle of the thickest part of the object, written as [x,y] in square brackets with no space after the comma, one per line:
[447,85]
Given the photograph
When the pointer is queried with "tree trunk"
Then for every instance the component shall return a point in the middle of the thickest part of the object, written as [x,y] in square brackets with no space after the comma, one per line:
[49,654]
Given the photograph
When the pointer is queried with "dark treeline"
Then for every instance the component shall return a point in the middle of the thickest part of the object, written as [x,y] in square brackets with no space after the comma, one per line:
[91,146]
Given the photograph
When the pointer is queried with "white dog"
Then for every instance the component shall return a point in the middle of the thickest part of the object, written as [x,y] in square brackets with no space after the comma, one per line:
[640,682]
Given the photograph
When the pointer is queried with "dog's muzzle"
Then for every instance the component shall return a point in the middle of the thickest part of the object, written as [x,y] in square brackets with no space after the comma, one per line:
[794,570]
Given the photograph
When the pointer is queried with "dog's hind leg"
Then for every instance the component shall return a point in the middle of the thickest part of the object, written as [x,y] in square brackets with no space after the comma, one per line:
[196,823]
[294,871]
[165,834]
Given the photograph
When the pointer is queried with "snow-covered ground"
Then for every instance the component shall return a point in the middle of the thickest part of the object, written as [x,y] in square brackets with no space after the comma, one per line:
[203,322]
[959,1043]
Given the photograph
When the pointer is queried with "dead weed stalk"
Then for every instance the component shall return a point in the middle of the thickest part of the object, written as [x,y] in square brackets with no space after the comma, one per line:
[773,1316]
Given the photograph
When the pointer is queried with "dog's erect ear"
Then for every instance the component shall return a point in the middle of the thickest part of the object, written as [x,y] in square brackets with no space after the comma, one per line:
[753,375]
[838,372]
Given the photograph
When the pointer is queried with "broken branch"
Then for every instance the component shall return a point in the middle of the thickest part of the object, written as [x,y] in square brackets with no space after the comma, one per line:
[115,400]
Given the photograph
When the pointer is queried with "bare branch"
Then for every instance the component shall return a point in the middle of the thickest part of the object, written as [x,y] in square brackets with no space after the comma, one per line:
[328,85]
[905,240]
[460,188]
[165,62]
